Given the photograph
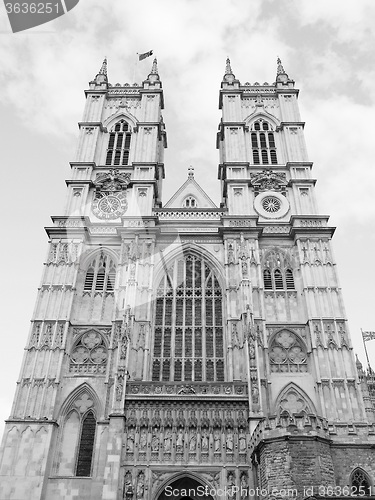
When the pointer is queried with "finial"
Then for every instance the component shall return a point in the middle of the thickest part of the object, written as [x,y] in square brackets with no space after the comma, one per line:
[154,70]
[103,69]
[228,75]
[191,172]
[358,363]
[280,68]
[228,69]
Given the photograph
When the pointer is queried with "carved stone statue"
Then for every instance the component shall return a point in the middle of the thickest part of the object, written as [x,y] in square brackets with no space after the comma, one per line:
[155,441]
[143,440]
[180,439]
[130,441]
[217,440]
[193,440]
[205,440]
[140,486]
[167,441]
[229,442]
[242,440]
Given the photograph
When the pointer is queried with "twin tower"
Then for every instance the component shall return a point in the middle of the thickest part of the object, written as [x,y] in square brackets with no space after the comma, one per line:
[187,347]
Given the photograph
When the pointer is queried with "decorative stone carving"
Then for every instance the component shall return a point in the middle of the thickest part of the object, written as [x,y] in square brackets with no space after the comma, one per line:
[89,354]
[287,353]
[111,181]
[217,440]
[167,440]
[140,493]
[292,402]
[268,180]
[84,403]
[130,441]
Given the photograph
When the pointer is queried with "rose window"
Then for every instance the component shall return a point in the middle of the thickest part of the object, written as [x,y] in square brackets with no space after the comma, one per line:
[89,355]
[271,204]
[287,353]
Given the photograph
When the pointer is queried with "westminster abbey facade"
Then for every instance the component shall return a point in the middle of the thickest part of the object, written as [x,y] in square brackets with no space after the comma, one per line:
[183,345]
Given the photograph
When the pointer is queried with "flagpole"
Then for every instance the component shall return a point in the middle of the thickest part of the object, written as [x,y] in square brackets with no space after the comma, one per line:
[135,67]
[364,344]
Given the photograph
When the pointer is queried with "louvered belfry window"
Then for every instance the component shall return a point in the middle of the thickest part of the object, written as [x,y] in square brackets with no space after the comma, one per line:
[119,144]
[188,334]
[263,144]
[100,276]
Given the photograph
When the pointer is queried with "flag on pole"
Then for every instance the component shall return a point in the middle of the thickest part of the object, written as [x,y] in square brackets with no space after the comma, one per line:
[145,54]
[368,336]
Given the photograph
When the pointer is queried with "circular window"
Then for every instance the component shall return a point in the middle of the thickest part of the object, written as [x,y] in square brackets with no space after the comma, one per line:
[271,205]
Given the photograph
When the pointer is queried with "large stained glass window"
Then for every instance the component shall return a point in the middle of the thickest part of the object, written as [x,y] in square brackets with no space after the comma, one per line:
[188,333]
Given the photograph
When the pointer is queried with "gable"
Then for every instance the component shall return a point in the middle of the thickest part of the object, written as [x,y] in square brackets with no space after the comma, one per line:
[192,189]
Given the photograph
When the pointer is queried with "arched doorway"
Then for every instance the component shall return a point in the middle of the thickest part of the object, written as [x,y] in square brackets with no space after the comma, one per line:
[185,488]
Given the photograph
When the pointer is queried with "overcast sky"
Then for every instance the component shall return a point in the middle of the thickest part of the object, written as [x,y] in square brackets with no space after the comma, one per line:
[326,46]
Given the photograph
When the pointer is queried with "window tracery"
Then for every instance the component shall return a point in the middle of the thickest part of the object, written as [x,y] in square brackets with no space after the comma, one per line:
[287,353]
[119,144]
[188,339]
[263,143]
[77,432]
[89,354]
[360,482]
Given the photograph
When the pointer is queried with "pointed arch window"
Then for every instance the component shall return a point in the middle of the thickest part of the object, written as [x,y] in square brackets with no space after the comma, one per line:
[100,276]
[86,445]
[289,279]
[360,482]
[190,202]
[267,279]
[119,144]
[263,144]
[188,335]
[279,279]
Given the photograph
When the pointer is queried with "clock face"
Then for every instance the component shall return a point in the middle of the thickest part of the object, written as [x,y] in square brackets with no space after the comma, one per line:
[110,206]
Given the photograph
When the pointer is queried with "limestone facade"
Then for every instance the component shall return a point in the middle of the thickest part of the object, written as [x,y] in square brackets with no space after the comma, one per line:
[188,344]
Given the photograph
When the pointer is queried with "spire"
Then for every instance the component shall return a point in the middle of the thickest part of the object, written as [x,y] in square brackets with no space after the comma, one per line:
[228,75]
[103,69]
[154,75]
[101,78]
[282,77]
[154,69]
[280,67]
[228,69]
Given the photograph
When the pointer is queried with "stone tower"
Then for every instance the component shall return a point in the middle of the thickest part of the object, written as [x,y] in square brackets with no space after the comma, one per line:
[188,346]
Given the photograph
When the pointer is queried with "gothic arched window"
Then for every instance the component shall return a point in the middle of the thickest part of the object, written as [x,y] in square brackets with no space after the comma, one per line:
[360,483]
[76,436]
[188,338]
[100,276]
[86,445]
[119,144]
[289,279]
[263,143]
[267,279]
[190,202]
[280,279]
[287,353]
